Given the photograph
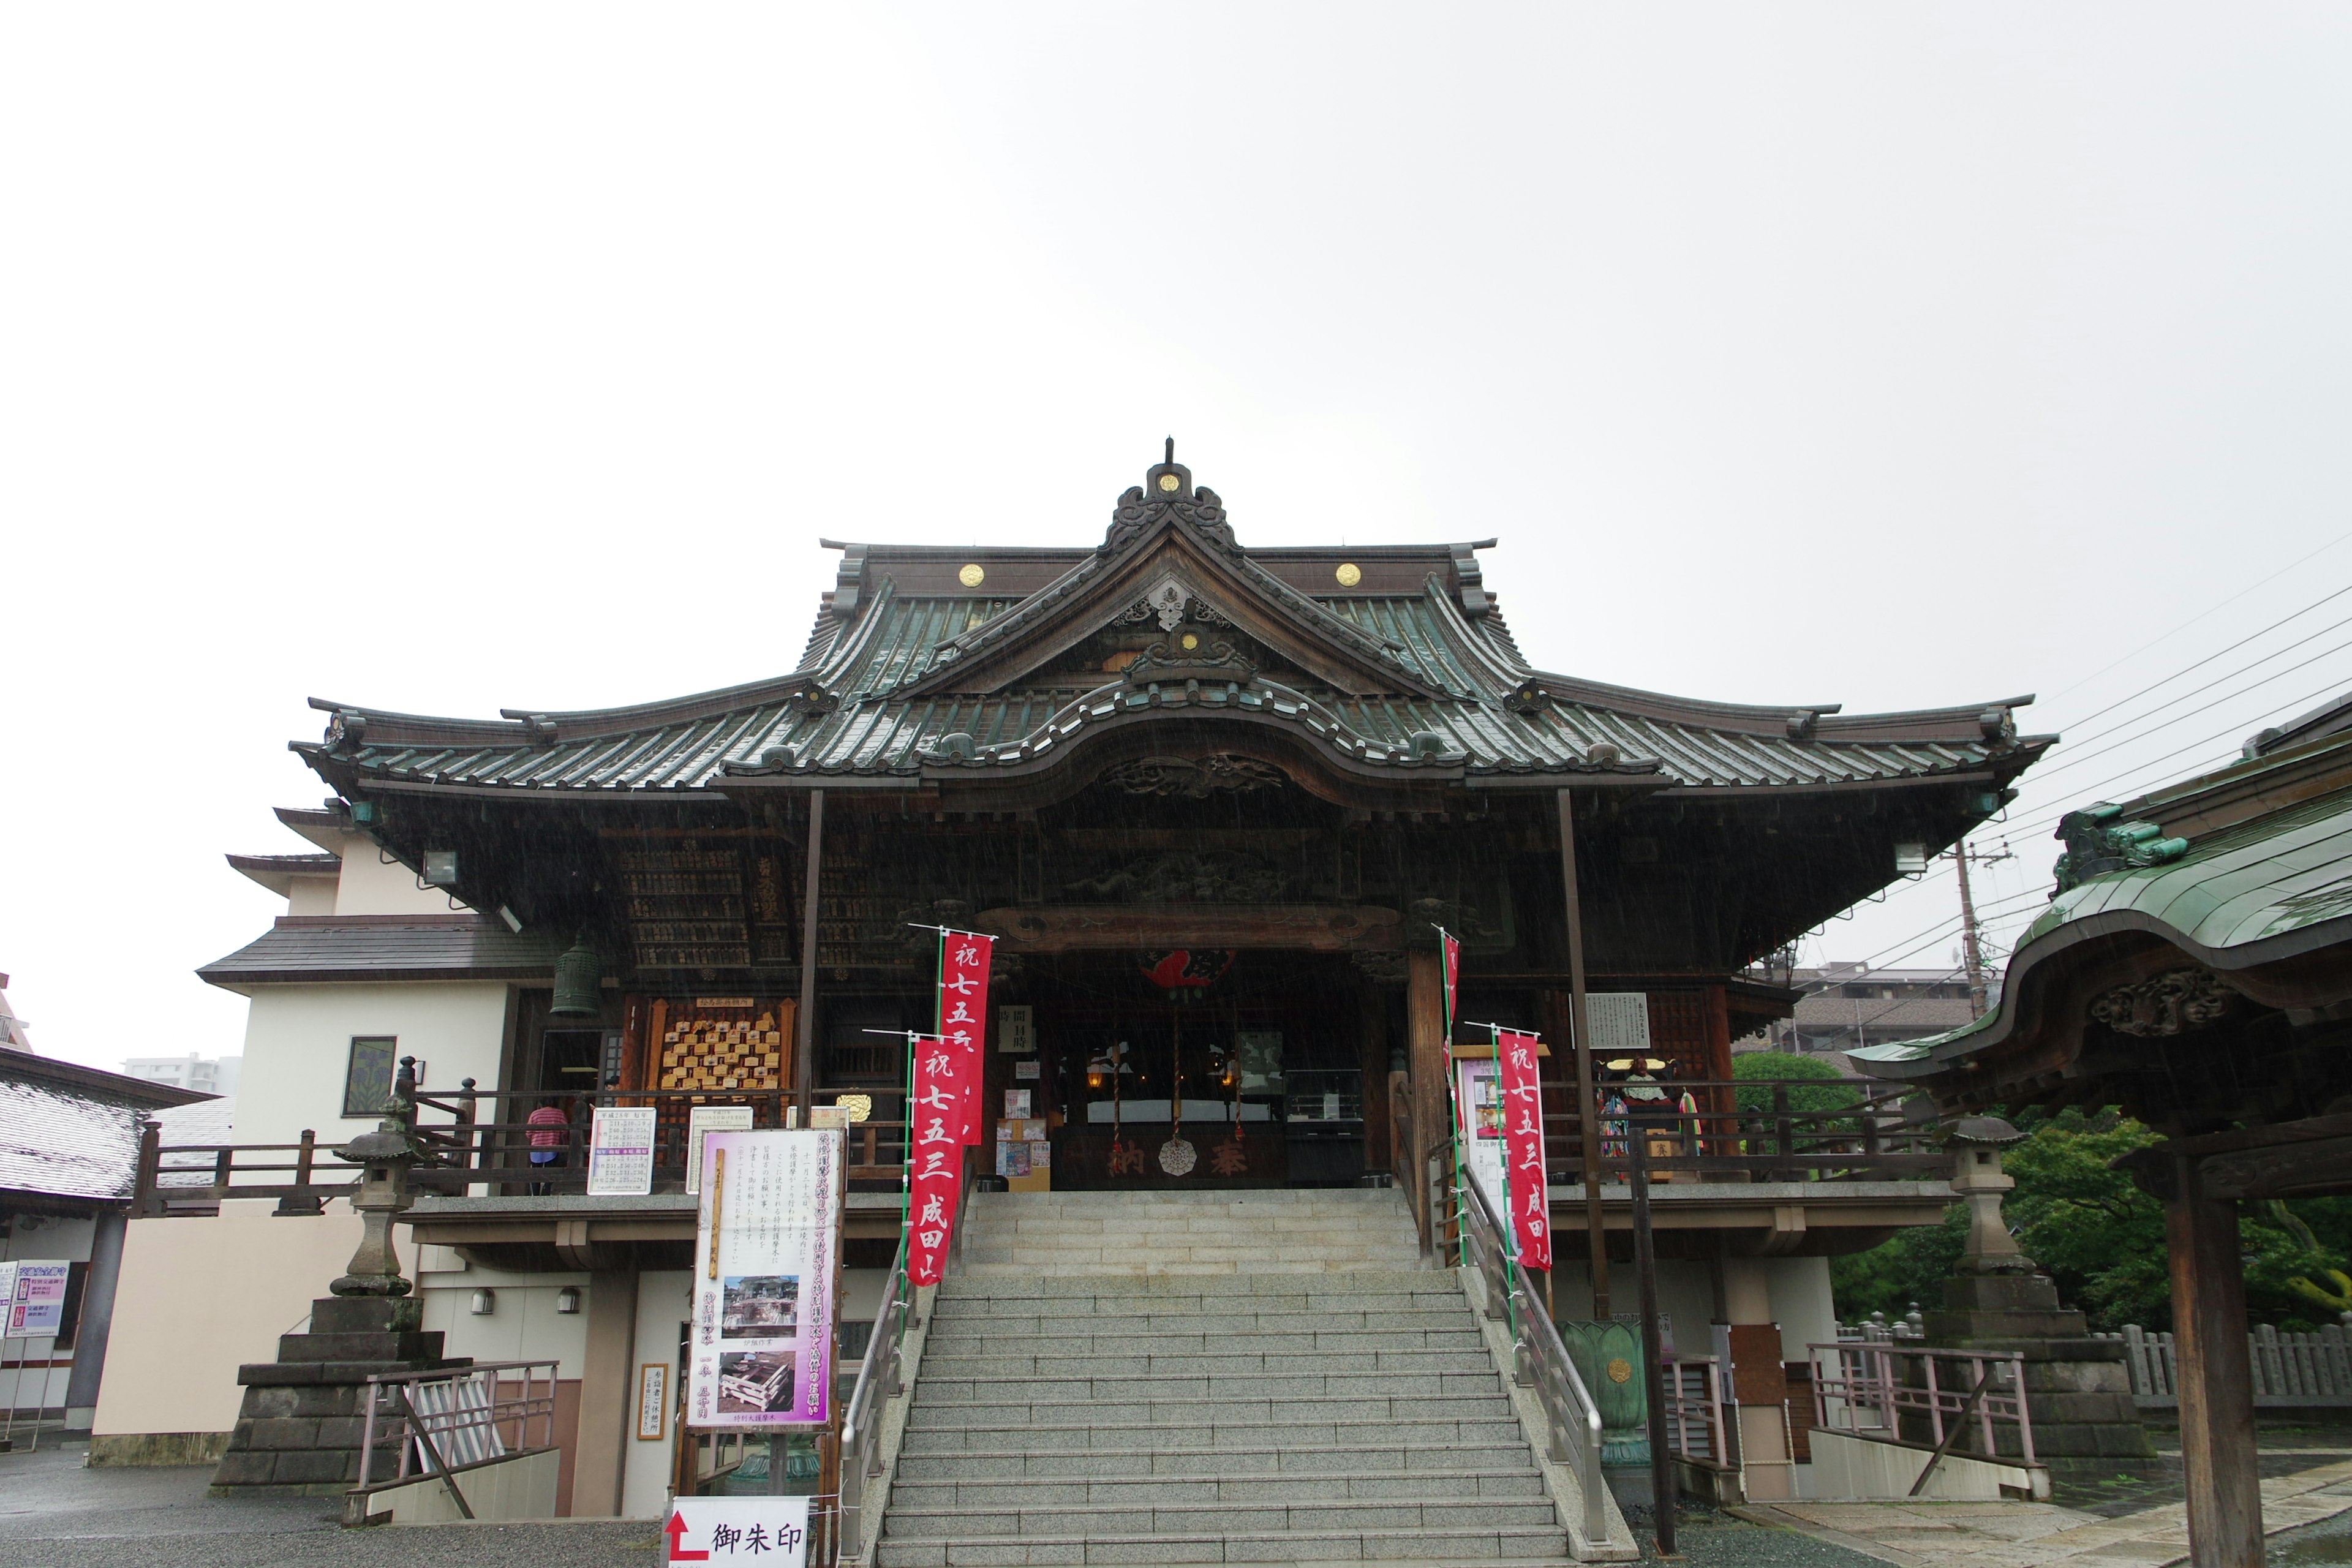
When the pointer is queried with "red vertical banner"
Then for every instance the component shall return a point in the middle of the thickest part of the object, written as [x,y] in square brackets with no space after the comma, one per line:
[963,1014]
[934,1156]
[1523,1146]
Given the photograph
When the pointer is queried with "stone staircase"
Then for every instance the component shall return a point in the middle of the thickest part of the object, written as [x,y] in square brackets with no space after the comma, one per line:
[1208,1377]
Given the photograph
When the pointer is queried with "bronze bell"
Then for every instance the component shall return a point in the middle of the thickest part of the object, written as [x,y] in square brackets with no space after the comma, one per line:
[578,975]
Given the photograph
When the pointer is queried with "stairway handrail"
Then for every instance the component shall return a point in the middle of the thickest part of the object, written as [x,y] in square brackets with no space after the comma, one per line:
[878,1379]
[1540,1362]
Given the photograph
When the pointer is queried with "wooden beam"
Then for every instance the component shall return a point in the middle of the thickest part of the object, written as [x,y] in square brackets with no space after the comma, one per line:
[804,1016]
[1425,1048]
[1587,1104]
[2216,1400]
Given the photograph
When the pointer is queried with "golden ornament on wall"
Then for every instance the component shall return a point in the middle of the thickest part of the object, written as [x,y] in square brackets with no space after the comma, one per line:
[971,576]
[1349,574]
[1620,1370]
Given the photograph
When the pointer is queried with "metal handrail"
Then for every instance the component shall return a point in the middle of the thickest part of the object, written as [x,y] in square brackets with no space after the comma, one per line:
[1695,1420]
[447,1438]
[1539,1360]
[1869,1393]
[879,1378]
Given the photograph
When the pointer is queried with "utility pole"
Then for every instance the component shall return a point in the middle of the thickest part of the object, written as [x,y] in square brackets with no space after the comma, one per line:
[1971,950]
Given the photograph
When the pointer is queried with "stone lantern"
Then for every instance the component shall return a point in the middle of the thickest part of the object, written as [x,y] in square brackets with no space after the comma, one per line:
[388,1155]
[2076,1387]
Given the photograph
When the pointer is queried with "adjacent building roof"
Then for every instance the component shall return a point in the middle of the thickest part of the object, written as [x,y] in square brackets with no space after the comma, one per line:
[928,664]
[278,872]
[2271,886]
[70,1132]
[319,948]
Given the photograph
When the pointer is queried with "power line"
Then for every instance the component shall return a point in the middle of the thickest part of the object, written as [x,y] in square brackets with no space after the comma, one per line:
[2082,791]
[2227,675]
[2082,757]
[2231,648]
[2201,614]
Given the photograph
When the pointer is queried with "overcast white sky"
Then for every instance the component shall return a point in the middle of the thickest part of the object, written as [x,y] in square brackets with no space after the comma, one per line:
[454,357]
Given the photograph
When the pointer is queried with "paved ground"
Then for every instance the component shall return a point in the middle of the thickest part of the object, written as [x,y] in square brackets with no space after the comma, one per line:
[2039,1535]
[55,1514]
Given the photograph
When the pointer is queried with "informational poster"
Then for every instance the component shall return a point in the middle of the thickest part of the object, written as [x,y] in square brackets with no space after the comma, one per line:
[963,1012]
[705,1119]
[769,1530]
[621,1152]
[37,1298]
[1479,1088]
[1619,1022]
[1016,1030]
[763,1280]
[653,1402]
[943,1086]
[1523,1143]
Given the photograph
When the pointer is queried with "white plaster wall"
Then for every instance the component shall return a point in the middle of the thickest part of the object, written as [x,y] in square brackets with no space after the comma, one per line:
[1685,1294]
[665,1300]
[367,885]
[298,1046]
[201,1296]
[310,896]
[861,1294]
[523,1324]
[1801,1304]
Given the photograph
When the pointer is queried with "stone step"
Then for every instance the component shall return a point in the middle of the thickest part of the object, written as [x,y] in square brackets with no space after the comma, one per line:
[1257,1292]
[1242,1359]
[1457,1549]
[1026,1495]
[964,1318]
[1266,1451]
[1336,1516]
[945,1387]
[1196,1413]
[957,1338]
[1176,1221]
[1058,1439]
[1197,1197]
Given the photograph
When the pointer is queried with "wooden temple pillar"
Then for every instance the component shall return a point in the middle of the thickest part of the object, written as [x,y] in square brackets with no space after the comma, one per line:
[805,1016]
[1424,1023]
[2216,1371]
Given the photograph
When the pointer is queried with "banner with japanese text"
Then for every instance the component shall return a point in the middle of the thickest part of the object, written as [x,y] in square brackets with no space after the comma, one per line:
[765,1266]
[1450,951]
[943,1088]
[1523,1147]
[963,1010]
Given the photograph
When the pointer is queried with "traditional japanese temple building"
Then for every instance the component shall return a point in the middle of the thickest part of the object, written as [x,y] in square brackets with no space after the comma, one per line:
[1214,801]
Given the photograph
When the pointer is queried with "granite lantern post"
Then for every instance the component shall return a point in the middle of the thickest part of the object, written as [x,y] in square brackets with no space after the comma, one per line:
[2077,1388]
[300,1425]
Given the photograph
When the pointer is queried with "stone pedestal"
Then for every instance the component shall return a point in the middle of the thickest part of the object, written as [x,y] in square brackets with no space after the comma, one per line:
[299,1427]
[2077,1388]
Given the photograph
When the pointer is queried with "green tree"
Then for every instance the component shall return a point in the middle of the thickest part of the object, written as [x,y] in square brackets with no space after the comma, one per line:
[2101,1240]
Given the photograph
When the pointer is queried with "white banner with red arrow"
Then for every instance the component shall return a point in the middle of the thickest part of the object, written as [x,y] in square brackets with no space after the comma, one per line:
[769,1530]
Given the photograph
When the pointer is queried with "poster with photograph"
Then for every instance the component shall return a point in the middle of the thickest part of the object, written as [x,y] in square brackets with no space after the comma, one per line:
[1478,1084]
[621,1152]
[764,1285]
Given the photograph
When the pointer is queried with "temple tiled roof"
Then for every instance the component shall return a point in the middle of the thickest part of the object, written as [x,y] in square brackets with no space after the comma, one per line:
[1420,679]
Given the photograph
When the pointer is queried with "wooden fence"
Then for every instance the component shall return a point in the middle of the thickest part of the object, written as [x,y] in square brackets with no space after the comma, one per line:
[2290,1370]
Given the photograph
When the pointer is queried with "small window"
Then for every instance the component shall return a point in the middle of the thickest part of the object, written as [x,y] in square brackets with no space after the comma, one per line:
[368,1084]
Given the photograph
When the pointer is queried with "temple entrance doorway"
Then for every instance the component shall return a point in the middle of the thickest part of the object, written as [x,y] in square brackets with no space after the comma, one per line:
[1202,1067]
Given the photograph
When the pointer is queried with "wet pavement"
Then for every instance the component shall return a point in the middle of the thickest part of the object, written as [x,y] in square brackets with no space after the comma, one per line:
[55,1514]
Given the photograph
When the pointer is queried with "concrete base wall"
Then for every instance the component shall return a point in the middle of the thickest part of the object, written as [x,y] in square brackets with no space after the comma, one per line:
[128,1451]
[516,1488]
[1856,1469]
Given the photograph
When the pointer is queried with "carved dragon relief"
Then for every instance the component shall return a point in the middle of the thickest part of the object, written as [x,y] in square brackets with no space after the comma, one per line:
[1220,773]
[1179,876]
[2177,1002]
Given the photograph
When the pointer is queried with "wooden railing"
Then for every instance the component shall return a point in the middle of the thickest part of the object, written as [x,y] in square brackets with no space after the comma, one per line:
[1804,1130]
[483,1137]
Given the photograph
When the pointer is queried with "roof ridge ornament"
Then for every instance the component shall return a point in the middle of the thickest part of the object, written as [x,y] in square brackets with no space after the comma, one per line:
[1167,491]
